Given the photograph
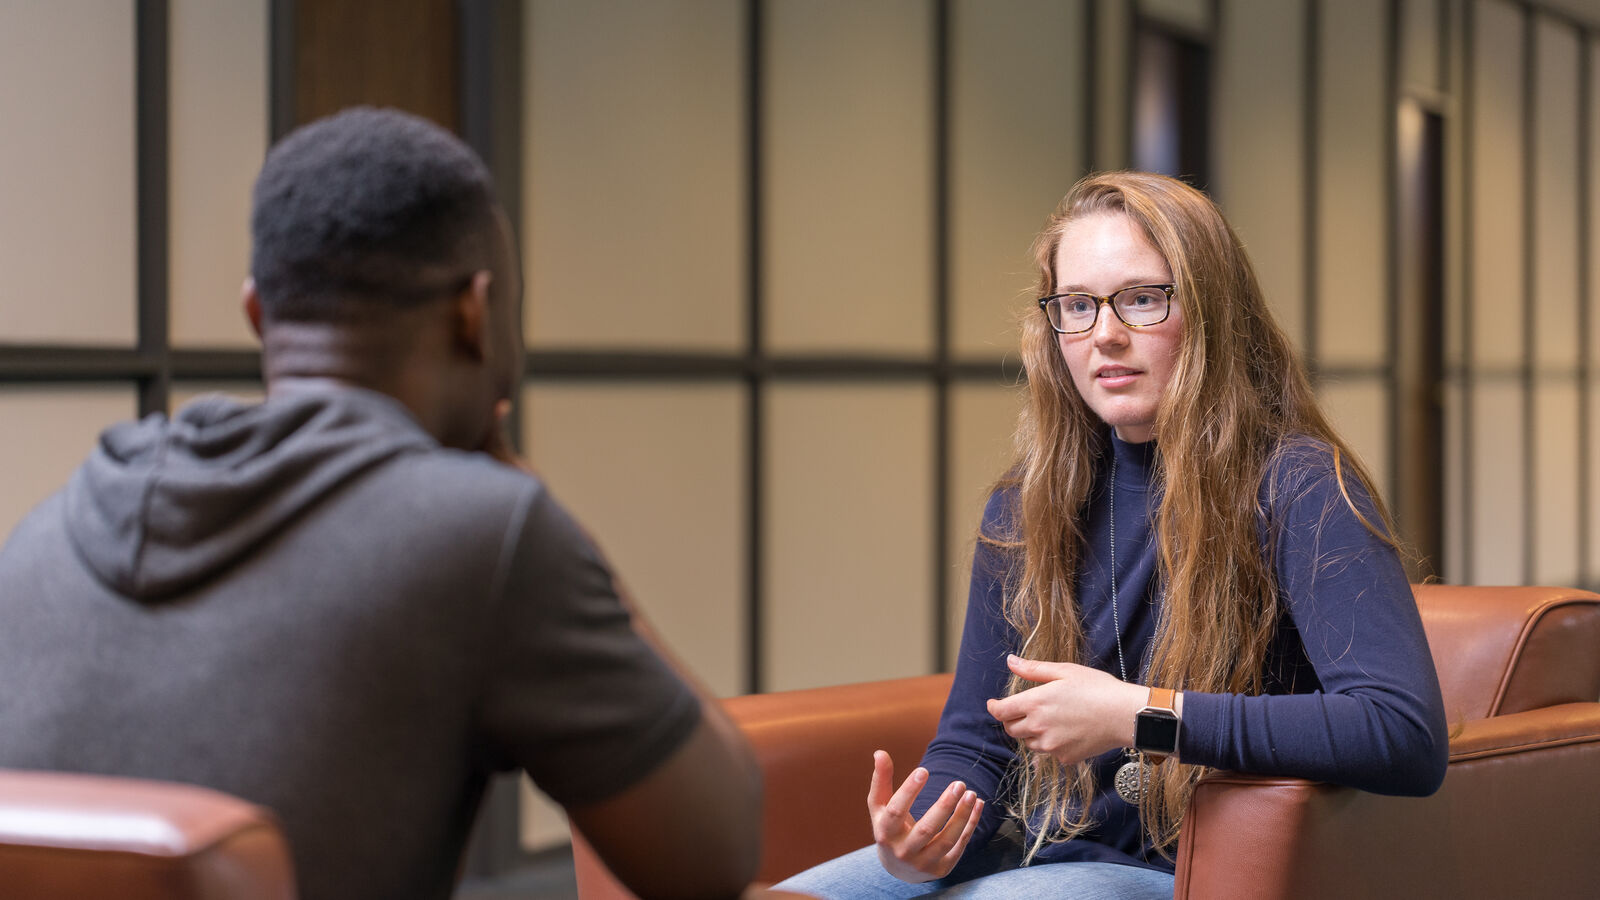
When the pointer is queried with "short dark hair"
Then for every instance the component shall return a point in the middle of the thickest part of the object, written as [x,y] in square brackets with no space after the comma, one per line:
[367,205]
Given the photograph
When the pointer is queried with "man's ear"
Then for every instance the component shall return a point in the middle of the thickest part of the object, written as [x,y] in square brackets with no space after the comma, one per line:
[250,299]
[470,311]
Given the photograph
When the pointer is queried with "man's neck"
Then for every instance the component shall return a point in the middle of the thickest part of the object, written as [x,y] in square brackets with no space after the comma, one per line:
[297,357]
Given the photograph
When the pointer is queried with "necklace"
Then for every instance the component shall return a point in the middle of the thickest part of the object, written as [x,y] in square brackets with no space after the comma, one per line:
[1129,780]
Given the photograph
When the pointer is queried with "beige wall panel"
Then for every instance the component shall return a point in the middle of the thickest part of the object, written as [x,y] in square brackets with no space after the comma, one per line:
[848,176]
[983,418]
[542,821]
[1419,44]
[67,173]
[218,97]
[1113,26]
[1352,284]
[1496,483]
[633,203]
[1555,479]
[1455,568]
[1193,16]
[1495,259]
[656,473]
[848,534]
[1260,146]
[52,430]
[1359,408]
[1556,254]
[1009,164]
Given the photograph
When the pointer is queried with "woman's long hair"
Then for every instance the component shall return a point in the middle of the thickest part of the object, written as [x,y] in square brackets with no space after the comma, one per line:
[1237,390]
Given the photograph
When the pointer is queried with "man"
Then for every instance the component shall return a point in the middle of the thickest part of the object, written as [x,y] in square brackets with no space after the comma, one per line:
[339,603]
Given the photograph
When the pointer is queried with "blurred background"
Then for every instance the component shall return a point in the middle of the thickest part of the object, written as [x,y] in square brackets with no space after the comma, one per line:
[775,251]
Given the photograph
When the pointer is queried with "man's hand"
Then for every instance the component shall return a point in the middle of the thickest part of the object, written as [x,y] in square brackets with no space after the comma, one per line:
[1074,714]
[918,850]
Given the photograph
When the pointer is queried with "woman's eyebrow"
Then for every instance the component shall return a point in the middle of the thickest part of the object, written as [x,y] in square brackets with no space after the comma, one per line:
[1132,282]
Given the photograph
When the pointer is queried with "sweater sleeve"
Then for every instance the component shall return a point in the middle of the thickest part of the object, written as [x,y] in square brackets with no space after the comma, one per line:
[1376,721]
[970,745]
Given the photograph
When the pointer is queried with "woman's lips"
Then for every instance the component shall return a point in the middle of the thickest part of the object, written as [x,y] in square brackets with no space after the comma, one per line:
[1115,376]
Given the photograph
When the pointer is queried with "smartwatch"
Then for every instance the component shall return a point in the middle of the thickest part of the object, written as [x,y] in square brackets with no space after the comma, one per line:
[1155,729]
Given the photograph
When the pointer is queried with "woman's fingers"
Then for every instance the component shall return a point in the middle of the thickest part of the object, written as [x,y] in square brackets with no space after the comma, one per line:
[899,805]
[879,791]
[938,816]
[950,834]
[953,855]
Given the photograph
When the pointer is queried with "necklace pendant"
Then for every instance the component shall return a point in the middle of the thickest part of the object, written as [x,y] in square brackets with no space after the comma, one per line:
[1130,780]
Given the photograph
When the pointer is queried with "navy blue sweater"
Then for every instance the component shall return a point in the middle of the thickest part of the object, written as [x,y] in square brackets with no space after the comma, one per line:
[1350,694]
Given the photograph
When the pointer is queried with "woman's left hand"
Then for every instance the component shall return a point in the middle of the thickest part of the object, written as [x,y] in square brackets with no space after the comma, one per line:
[1075,713]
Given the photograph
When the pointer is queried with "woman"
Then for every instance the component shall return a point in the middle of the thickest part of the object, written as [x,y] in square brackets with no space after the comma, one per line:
[1184,569]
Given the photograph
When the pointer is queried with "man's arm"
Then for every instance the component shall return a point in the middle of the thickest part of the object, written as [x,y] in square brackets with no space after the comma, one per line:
[690,828]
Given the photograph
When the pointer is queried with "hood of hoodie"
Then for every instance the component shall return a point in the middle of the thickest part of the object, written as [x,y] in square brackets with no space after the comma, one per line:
[162,505]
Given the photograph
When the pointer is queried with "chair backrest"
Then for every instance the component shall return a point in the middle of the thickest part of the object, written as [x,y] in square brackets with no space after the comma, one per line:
[70,836]
[1500,650]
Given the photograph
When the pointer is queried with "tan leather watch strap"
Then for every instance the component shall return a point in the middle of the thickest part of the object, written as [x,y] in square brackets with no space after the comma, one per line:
[1162,702]
[1163,698]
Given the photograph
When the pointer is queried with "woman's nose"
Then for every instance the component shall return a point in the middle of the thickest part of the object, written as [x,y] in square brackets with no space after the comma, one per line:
[1108,329]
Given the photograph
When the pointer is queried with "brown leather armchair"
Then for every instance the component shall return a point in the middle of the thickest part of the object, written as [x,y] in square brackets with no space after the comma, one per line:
[72,836]
[1518,813]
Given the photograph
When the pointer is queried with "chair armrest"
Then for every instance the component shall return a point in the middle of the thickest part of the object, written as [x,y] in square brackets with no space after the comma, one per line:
[72,835]
[815,749]
[1515,817]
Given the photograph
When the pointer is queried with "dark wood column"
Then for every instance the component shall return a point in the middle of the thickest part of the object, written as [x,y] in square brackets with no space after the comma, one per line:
[337,53]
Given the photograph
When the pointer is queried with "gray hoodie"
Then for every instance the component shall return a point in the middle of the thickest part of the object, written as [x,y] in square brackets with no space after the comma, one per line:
[308,603]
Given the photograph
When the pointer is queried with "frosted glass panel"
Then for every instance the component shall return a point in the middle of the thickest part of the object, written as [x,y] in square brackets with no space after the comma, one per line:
[1555,477]
[1592,260]
[1556,252]
[983,418]
[219,135]
[53,429]
[1009,164]
[1190,15]
[656,473]
[848,535]
[1455,569]
[1419,43]
[1359,408]
[633,192]
[1495,264]
[848,176]
[1260,145]
[1498,526]
[67,172]
[1352,286]
[1592,502]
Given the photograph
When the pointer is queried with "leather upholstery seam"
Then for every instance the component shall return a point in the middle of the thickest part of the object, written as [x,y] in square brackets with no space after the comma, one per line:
[1535,616]
[1508,749]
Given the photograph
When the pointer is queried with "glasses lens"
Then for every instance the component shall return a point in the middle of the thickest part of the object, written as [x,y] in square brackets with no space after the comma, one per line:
[1071,313]
[1141,305]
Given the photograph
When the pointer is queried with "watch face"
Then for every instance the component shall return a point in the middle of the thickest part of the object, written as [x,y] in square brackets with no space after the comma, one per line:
[1156,732]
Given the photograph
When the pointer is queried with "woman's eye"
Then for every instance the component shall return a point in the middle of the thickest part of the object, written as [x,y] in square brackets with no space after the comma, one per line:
[1077,306]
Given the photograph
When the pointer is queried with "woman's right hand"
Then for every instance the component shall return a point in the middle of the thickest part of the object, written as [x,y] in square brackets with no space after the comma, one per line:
[918,850]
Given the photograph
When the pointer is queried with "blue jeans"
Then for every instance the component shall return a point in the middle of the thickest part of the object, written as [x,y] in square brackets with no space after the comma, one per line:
[990,873]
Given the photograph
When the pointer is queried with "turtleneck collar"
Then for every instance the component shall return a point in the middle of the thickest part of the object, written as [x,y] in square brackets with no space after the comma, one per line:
[1136,463]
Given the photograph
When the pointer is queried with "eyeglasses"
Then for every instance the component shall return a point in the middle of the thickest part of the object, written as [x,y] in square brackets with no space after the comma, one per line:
[1139,306]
